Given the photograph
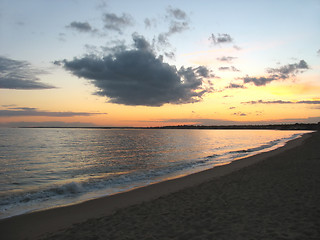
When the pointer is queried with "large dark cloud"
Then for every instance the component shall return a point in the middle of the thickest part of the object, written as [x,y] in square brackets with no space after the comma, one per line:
[34,112]
[16,74]
[281,73]
[117,23]
[137,76]
[220,38]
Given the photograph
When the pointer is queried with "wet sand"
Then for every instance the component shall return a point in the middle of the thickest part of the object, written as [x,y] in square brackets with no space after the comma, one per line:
[273,195]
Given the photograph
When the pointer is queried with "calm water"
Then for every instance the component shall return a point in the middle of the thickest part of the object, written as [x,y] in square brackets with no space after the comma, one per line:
[41,168]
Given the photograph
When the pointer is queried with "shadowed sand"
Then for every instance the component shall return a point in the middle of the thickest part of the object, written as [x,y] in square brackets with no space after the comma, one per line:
[273,195]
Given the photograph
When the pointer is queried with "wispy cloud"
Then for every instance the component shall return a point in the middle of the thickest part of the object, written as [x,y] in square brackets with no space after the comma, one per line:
[283,102]
[16,74]
[34,112]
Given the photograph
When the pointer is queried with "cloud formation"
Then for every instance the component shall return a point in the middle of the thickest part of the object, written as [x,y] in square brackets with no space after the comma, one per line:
[117,23]
[34,112]
[137,76]
[16,74]
[281,73]
[221,38]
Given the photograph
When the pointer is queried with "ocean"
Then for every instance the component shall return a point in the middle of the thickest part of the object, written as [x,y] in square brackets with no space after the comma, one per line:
[45,168]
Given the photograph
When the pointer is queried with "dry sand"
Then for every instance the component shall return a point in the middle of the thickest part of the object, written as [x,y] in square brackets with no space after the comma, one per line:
[274,195]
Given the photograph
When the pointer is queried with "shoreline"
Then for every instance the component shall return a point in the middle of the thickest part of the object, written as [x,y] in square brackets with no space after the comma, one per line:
[34,224]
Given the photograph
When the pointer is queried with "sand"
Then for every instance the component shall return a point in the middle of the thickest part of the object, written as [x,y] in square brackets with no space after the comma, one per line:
[274,195]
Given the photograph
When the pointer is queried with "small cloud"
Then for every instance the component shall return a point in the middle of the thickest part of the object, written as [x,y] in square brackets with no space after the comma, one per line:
[221,38]
[232,68]
[177,13]
[81,27]
[234,85]
[237,47]
[16,74]
[318,52]
[62,37]
[148,23]
[240,114]
[258,81]
[117,23]
[178,22]
[226,59]
[232,108]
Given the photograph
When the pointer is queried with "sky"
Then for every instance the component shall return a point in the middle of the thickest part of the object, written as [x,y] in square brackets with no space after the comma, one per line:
[156,63]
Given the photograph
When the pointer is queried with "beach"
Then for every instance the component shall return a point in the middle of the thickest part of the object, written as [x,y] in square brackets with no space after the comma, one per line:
[272,195]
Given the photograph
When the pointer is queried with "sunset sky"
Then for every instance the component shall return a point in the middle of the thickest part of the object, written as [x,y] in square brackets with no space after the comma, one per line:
[155,63]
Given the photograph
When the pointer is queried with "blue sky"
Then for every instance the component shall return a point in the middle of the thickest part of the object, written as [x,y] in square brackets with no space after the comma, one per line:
[238,43]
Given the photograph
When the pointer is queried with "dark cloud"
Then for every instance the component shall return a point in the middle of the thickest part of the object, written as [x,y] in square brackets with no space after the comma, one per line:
[234,85]
[138,77]
[226,59]
[34,112]
[117,23]
[232,68]
[81,26]
[16,74]
[281,73]
[283,102]
[221,38]
[318,52]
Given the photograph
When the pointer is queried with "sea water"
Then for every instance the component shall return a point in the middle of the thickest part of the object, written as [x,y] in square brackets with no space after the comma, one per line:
[43,168]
